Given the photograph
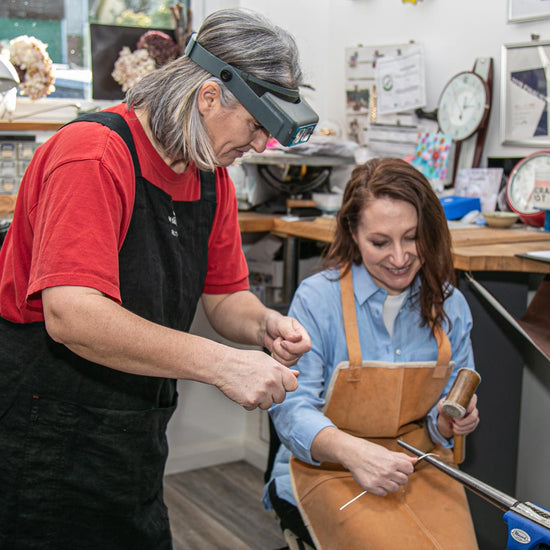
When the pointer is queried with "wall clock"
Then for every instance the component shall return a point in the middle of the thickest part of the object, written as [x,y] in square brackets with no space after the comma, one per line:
[521,185]
[463,112]
[463,105]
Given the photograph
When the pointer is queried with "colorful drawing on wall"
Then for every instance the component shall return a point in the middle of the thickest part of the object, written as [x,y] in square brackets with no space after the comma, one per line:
[431,155]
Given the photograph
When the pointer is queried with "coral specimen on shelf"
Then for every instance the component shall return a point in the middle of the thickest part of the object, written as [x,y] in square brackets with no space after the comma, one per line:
[154,49]
[131,67]
[33,65]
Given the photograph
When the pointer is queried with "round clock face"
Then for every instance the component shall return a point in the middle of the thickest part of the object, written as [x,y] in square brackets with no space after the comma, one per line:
[521,185]
[463,106]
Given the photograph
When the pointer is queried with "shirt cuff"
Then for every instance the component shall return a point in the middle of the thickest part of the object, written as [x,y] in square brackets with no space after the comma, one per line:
[303,441]
[434,432]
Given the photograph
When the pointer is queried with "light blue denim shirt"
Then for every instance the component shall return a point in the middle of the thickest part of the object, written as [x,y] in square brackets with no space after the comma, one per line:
[317,306]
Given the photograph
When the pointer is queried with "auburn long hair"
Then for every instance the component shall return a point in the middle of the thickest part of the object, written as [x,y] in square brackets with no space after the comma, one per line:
[398,180]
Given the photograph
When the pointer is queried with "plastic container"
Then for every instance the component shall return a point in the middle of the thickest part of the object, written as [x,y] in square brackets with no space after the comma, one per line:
[457,207]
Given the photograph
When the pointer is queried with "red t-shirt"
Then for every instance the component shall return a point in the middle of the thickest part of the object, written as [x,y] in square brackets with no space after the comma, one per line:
[73,210]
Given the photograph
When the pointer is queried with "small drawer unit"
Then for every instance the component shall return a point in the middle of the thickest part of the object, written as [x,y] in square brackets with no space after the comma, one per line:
[15,156]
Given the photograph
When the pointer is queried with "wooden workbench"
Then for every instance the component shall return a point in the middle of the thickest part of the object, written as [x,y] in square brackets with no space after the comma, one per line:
[474,249]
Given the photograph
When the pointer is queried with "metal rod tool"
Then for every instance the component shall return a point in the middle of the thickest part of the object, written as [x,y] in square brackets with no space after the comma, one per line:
[527,510]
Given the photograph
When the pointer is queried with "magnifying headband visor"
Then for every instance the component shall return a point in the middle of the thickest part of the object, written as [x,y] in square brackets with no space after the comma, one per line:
[281,111]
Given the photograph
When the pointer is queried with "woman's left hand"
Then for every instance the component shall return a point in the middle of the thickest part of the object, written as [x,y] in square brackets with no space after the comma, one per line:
[286,339]
[449,426]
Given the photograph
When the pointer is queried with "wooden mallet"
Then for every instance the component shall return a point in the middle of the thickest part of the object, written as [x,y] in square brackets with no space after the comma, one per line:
[456,403]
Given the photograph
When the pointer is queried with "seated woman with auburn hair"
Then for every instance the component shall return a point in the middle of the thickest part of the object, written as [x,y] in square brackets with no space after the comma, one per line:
[389,332]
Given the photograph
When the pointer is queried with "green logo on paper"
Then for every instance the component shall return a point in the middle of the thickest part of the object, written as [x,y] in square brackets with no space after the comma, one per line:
[387,83]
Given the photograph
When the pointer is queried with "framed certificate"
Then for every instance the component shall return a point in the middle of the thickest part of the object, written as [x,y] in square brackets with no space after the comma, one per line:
[525,87]
[528,10]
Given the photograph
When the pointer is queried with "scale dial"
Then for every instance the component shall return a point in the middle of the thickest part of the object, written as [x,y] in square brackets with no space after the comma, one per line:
[521,184]
[463,106]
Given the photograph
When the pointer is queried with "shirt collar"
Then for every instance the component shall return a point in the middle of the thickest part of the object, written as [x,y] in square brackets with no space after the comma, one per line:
[364,286]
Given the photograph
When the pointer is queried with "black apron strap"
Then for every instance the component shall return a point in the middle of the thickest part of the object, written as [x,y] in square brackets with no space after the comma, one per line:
[115,122]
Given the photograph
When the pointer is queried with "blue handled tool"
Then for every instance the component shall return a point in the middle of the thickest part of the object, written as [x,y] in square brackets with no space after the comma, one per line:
[528,524]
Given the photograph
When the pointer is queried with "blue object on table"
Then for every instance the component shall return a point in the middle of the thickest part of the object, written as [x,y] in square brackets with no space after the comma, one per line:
[457,207]
[547,220]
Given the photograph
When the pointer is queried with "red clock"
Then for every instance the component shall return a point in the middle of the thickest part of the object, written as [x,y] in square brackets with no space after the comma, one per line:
[521,185]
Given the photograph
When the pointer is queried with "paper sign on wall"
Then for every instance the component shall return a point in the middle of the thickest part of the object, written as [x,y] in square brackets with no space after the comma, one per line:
[400,81]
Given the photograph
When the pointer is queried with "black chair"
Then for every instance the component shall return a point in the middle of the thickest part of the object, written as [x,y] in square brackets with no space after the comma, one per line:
[293,540]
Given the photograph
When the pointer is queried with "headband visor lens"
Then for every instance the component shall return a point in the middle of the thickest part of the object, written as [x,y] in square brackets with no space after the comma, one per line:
[289,123]
[302,134]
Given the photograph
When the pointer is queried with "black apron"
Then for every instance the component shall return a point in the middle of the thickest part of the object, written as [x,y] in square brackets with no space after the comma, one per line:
[83,446]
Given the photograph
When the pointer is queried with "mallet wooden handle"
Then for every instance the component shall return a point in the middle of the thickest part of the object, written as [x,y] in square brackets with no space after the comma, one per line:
[459,449]
[456,403]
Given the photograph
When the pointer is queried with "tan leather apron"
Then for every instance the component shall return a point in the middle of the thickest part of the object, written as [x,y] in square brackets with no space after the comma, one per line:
[383,402]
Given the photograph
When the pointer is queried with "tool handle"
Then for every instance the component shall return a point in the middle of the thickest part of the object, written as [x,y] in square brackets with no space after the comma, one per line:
[459,450]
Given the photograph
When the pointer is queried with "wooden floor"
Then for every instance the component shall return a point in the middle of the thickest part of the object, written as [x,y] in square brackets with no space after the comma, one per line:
[220,508]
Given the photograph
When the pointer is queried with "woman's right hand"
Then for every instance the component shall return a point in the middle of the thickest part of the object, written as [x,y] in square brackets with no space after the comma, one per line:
[375,468]
[378,470]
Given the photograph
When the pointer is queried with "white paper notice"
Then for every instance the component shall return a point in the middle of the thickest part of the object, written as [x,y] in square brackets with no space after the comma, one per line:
[400,81]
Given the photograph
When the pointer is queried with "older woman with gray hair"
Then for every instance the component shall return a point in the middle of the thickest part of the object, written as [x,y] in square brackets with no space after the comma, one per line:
[125,219]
